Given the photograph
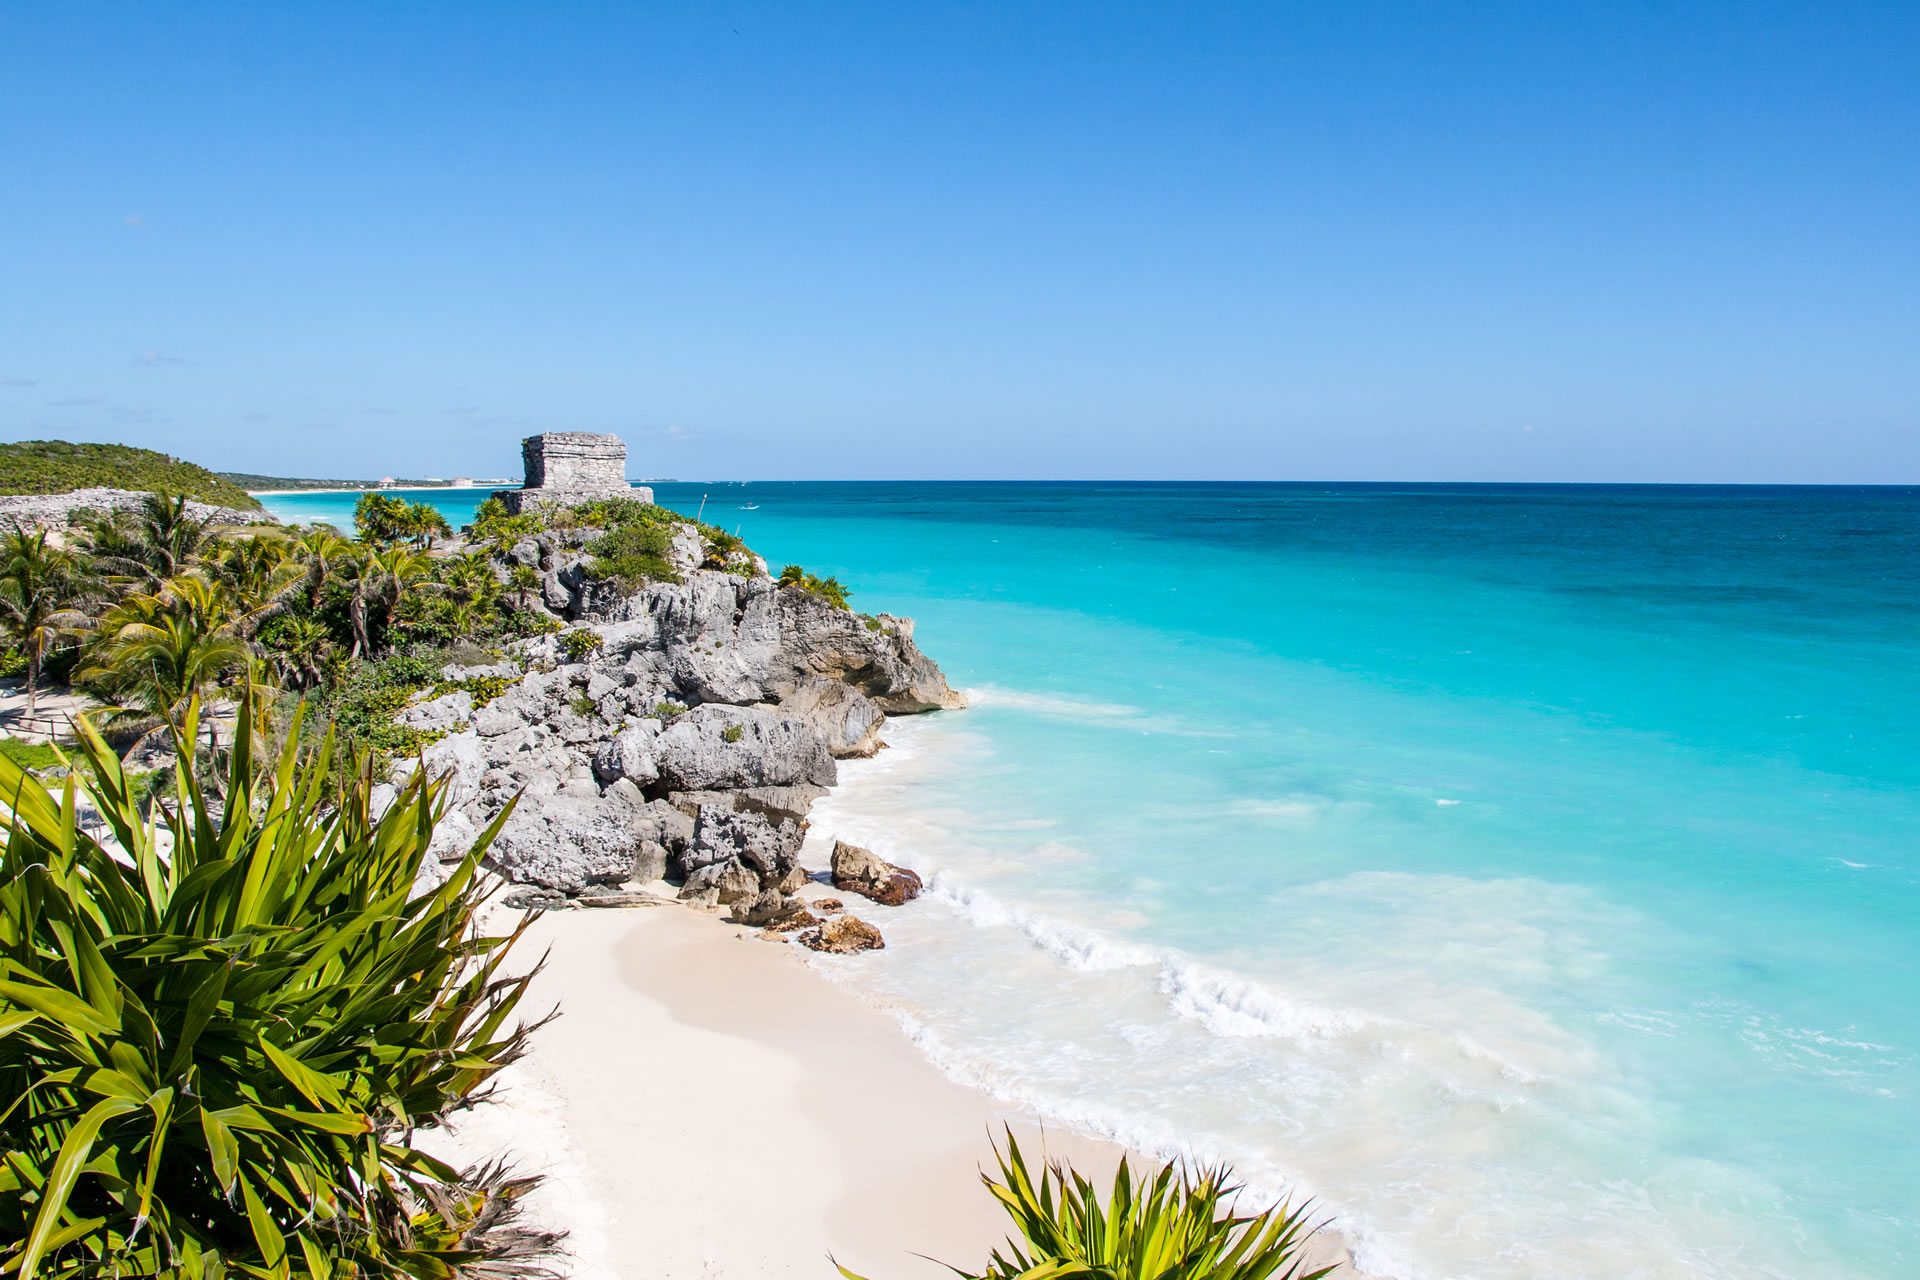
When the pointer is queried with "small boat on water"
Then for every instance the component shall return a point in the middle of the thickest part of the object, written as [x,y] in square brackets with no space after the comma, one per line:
[751,506]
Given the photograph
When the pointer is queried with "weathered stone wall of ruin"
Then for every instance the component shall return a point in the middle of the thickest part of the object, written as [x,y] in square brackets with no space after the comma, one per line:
[574,460]
[565,468]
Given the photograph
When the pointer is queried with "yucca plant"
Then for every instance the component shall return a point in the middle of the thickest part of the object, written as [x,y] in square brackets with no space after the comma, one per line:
[216,1035]
[1180,1225]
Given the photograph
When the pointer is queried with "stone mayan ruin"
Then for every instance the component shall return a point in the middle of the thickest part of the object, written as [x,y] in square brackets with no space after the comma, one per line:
[565,468]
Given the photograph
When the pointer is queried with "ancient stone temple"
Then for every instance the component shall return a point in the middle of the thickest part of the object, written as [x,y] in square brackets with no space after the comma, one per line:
[565,468]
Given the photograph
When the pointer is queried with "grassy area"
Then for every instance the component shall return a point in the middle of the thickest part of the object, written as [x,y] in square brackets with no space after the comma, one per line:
[28,755]
[59,466]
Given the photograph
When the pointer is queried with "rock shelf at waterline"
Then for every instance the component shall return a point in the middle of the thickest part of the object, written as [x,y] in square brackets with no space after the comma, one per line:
[681,731]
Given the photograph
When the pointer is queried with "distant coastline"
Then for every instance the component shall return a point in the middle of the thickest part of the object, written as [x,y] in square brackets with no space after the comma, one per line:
[408,486]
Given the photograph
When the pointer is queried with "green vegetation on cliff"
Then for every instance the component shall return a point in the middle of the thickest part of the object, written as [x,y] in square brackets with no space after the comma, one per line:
[59,466]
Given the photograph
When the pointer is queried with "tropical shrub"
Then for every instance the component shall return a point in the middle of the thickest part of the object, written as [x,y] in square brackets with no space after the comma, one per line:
[482,689]
[632,555]
[1180,1225]
[580,642]
[828,589]
[363,705]
[495,527]
[216,1037]
[721,546]
[380,517]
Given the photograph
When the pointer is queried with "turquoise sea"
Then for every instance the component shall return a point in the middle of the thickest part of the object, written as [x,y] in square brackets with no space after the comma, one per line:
[1527,871]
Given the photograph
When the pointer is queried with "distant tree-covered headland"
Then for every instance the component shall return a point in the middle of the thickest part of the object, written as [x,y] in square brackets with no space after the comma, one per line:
[59,466]
[254,483]
[251,482]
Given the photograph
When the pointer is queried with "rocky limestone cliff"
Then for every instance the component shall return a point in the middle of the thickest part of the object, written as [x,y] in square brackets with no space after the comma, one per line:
[58,508]
[689,744]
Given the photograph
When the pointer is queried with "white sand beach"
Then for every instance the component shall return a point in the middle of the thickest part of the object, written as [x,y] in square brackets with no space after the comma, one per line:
[705,1106]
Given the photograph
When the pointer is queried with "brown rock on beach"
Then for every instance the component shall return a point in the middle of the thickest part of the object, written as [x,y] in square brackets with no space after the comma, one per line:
[844,936]
[861,871]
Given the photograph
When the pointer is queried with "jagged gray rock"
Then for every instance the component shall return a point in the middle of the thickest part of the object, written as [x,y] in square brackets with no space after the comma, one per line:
[717,747]
[649,863]
[56,508]
[720,638]
[726,881]
[438,713]
[629,754]
[846,720]
[568,842]
[722,835]
[771,910]
[777,804]
[618,781]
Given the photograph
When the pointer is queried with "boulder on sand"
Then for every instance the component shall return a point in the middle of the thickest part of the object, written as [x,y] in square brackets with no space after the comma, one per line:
[843,936]
[772,910]
[721,834]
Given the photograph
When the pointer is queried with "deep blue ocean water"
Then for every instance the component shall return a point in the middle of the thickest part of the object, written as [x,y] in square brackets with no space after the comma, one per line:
[1527,871]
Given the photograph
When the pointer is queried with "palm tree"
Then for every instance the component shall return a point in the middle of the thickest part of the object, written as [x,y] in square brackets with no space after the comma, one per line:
[324,552]
[259,572]
[383,580]
[524,579]
[159,651]
[158,540]
[299,650]
[421,521]
[470,585]
[379,517]
[38,584]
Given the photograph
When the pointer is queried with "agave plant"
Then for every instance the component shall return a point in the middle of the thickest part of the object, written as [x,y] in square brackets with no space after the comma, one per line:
[1179,1225]
[216,1035]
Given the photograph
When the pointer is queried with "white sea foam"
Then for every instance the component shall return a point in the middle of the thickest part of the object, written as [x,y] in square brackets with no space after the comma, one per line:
[1047,704]
[1301,809]
[1394,1078]
[1075,946]
[1229,1005]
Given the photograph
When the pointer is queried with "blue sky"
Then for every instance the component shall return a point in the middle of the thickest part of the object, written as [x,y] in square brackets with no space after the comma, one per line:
[1334,241]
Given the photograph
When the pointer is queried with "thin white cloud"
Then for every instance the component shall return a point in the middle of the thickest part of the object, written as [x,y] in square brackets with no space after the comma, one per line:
[471,416]
[19,382]
[161,357]
[75,402]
